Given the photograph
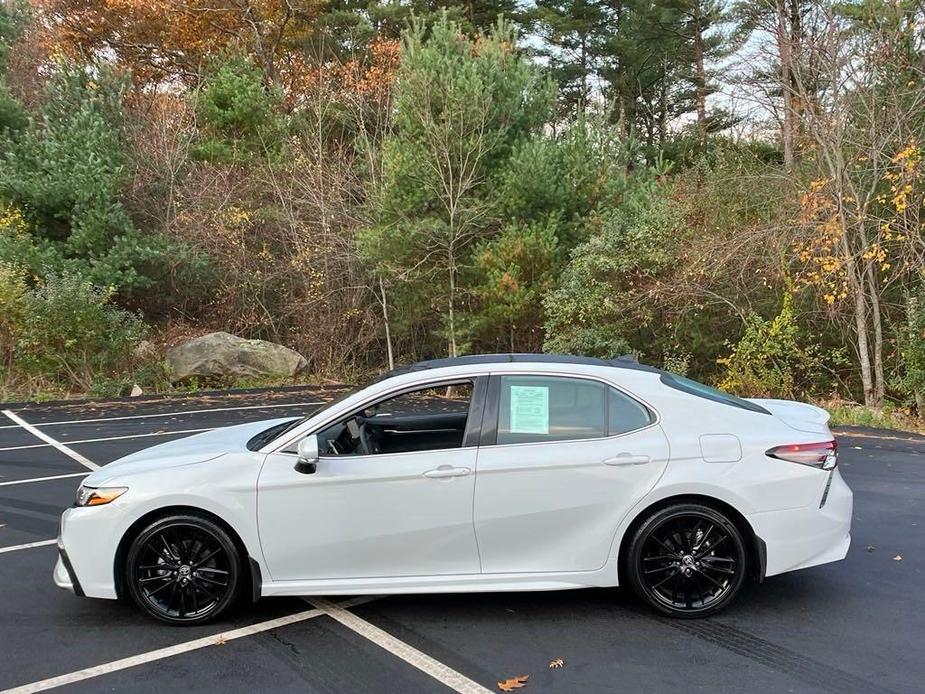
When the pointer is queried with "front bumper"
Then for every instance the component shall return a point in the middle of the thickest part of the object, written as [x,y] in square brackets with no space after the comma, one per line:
[798,538]
[87,549]
[64,575]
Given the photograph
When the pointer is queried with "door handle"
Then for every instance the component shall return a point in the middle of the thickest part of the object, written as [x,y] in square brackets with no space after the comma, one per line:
[445,471]
[627,459]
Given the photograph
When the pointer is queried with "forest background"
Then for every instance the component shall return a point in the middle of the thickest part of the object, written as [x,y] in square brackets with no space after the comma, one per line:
[728,189]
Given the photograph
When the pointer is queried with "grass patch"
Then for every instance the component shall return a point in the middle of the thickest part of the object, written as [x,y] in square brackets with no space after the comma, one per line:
[888,417]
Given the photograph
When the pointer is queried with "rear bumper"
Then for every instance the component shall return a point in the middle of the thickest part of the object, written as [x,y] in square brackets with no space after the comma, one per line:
[802,537]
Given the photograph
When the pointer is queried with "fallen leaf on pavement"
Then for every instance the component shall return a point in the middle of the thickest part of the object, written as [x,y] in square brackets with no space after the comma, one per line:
[870,548]
[513,683]
[558,662]
[898,557]
[220,640]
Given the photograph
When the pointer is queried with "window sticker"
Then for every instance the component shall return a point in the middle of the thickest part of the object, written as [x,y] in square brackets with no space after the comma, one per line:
[529,409]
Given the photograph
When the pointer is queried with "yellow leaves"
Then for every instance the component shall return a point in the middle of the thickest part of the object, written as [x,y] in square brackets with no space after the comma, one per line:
[910,153]
[513,683]
[557,663]
[236,216]
[12,221]
[818,184]
[874,252]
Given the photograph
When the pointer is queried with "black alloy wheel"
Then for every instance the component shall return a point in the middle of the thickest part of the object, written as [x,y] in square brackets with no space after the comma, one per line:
[687,560]
[183,569]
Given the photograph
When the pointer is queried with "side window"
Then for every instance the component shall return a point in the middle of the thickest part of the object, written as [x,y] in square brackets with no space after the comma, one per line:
[625,414]
[550,408]
[426,419]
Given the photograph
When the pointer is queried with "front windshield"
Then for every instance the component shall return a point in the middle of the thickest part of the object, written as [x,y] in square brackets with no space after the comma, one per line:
[274,432]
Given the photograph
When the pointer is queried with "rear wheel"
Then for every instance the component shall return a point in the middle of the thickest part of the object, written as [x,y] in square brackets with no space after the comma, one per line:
[183,569]
[687,560]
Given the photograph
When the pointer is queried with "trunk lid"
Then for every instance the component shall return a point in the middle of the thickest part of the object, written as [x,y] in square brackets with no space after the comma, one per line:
[797,415]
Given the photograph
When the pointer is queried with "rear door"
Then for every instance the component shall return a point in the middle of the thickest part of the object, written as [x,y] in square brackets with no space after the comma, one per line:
[562,458]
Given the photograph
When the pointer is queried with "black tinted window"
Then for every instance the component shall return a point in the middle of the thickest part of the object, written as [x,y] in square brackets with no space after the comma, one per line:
[549,408]
[692,387]
[427,419]
[625,414]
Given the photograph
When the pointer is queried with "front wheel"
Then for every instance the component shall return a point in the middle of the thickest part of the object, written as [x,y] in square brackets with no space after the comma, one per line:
[687,560]
[183,569]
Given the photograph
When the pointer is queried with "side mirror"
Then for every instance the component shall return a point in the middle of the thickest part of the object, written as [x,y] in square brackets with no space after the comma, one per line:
[308,455]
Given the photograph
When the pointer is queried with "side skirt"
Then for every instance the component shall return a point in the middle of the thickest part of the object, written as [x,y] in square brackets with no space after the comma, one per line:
[466,583]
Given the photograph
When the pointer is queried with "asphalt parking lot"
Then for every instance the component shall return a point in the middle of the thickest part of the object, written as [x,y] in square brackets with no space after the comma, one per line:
[854,626]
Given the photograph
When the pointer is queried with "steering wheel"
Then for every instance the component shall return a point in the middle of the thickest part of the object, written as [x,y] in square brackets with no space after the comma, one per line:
[367,441]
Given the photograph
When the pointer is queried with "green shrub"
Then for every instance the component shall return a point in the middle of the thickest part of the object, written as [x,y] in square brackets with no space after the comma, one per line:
[70,335]
[599,306]
[12,290]
[771,359]
[910,381]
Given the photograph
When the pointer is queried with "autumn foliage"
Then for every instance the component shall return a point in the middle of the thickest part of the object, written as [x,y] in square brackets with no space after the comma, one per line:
[174,40]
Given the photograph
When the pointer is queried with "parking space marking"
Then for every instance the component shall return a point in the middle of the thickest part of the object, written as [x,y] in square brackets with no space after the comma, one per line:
[110,438]
[167,414]
[86,462]
[442,673]
[28,545]
[44,479]
[178,649]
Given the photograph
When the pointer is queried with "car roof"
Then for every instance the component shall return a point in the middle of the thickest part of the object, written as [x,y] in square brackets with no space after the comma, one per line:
[623,362]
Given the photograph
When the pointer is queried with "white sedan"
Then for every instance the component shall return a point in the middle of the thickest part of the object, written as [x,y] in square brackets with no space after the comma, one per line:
[481,473]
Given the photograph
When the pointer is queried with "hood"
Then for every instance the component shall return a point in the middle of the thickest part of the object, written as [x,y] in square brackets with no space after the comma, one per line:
[797,415]
[198,448]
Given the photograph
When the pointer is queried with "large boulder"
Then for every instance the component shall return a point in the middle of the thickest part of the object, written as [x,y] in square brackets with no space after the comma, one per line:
[221,355]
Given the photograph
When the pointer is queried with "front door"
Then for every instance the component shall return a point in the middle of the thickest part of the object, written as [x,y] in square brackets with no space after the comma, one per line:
[564,461]
[391,495]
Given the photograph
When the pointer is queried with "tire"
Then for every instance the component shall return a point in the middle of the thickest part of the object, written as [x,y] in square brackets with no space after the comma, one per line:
[183,569]
[687,560]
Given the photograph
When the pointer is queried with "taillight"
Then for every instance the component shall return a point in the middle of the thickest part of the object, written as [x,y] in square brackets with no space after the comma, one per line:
[821,455]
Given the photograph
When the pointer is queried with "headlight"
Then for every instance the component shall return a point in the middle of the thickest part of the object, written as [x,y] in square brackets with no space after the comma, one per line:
[97,496]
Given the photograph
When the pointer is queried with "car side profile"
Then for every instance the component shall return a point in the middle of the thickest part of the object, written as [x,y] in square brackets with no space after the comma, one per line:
[480,473]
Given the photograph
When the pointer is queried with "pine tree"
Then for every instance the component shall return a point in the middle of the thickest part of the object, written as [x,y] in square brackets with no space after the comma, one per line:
[573,34]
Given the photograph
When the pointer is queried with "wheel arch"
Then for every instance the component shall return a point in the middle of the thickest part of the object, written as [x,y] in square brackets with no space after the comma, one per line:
[755,546]
[252,574]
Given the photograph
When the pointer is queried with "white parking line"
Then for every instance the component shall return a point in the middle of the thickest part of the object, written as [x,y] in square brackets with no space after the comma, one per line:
[169,651]
[44,479]
[109,438]
[28,545]
[86,462]
[169,414]
[442,673]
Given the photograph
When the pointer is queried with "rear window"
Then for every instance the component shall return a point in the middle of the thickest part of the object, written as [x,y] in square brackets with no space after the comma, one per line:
[686,385]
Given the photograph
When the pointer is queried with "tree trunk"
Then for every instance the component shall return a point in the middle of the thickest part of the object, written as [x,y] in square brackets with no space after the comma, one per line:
[701,80]
[663,106]
[385,321]
[879,389]
[786,78]
[451,301]
[860,323]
